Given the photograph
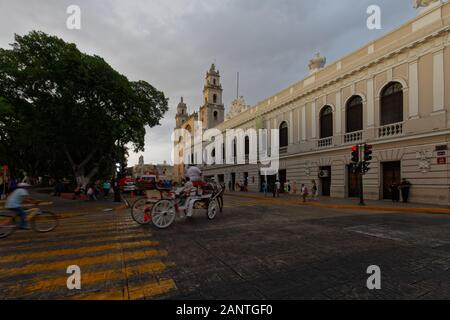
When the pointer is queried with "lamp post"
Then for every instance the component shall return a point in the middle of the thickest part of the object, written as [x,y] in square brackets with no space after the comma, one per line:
[116,186]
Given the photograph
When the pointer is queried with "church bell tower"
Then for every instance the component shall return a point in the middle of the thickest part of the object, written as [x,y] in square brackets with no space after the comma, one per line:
[182,113]
[212,111]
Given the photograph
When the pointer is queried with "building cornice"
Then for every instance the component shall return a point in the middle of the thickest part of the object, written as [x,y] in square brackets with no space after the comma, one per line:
[333,79]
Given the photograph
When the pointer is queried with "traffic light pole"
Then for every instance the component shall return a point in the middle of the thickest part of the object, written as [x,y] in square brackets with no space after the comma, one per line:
[361,183]
[361,158]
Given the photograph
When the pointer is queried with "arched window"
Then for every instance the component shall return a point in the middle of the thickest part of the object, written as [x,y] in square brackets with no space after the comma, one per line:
[391,104]
[354,114]
[235,149]
[247,146]
[284,136]
[214,98]
[326,122]
[215,115]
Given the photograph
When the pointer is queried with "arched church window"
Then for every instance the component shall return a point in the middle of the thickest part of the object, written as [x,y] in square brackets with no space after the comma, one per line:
[214,98]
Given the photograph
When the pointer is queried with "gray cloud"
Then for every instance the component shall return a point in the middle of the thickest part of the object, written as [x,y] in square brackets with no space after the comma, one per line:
[171,43]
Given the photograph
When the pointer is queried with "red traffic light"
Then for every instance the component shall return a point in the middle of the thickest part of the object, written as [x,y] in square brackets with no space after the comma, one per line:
[355,148]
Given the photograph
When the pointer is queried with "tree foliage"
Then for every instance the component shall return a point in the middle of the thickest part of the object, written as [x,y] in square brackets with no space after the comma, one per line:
[62,109]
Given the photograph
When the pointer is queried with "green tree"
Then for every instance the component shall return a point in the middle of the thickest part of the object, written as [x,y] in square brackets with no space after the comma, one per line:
[70,110]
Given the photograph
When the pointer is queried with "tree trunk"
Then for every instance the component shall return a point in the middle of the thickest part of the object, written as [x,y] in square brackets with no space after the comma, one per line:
[79,172]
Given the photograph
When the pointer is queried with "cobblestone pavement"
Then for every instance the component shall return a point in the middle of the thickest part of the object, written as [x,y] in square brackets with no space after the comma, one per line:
[253,250]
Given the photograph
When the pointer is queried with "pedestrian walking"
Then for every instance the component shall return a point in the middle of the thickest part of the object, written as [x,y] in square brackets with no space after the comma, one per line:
[304,192]
[285,187]
[12,185]
[3,185]
[314,191]
[59,188]
[277,188]
[294,188]
[91,193]
[265,188]
[77,193]
[395,191]
[405,187]
[106,188]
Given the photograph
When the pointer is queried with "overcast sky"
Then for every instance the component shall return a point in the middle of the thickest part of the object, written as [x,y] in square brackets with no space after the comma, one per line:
[171,43]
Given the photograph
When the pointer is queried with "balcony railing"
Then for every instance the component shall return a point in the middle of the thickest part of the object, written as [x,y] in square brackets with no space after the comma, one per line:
[325,142]
[352,137]
[390,130]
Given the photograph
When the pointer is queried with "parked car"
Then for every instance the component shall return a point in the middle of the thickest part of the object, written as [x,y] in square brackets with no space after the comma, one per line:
[127,184]
[147,182]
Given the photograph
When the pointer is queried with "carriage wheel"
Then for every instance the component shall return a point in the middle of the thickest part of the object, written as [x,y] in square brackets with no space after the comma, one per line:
[141,211]
[163,214]
[213,208]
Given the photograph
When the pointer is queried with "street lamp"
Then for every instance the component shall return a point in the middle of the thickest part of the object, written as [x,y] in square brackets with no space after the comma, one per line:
[116,186]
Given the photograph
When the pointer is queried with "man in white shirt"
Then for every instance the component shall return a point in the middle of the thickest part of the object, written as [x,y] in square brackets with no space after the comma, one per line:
[194,174]
[15,202]
[277,188]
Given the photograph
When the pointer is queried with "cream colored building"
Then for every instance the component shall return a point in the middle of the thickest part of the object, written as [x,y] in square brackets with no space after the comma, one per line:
[164,171]
[393,93]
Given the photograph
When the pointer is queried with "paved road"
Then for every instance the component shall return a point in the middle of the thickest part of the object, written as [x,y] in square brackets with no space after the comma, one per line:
[254,250]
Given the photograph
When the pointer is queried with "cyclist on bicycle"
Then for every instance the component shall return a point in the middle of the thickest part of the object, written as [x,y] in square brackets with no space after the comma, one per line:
[15,203]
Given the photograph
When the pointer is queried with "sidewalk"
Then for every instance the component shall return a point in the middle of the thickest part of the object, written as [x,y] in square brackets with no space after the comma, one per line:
[351,204]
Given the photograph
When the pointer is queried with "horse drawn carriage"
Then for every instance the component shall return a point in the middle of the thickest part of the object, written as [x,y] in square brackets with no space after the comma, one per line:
[162,211]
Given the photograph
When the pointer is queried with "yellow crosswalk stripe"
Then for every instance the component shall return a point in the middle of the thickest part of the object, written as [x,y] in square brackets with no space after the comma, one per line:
[151,289]
[74,251]
[23,245]
[76,232]
[147,290]
[89,278]
[85,261]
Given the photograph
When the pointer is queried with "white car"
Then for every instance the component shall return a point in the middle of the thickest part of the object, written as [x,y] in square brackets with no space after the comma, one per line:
[129,187]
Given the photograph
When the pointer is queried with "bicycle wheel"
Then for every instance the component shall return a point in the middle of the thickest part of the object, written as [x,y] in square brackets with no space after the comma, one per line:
[163,214]
[44,221]
[7,225]
[141,212]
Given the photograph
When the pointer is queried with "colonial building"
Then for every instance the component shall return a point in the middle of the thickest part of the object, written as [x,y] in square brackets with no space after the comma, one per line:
[393,93]
[163,171]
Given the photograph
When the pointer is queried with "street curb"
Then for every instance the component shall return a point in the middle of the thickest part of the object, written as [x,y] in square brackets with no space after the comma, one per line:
[348,206]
